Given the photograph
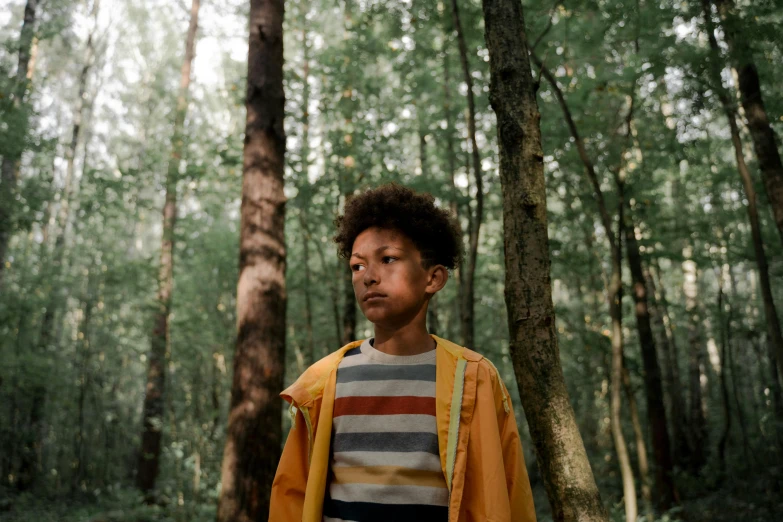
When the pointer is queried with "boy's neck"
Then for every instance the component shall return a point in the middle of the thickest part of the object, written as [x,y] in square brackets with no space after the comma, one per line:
[408,340]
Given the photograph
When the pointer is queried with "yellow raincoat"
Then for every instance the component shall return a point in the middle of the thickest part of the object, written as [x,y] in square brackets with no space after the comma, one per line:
[480,451]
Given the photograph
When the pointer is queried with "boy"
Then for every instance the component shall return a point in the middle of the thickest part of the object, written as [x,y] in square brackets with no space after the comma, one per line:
[404,425]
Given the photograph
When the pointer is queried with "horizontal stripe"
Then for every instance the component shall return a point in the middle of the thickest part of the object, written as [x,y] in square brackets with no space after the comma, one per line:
[389,495]
[384,406]
[386,372]
[388,475]
[370,511]
[385,388]
[376,423]
[402,442]
[409,459]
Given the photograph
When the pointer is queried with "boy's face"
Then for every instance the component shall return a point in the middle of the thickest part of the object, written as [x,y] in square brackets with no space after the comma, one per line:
[387,263]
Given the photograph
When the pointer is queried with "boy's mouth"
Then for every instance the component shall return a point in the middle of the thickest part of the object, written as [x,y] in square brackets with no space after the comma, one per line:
[372,295]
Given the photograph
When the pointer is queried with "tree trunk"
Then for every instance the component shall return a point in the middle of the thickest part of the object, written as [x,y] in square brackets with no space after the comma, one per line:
[765,141]
[641,445]
[725,339]
[656,410]
[309,341]
[774,333]
[347,174]
[451,160]
[10,165]
[697,422]
[614,296]
[679,420]
[154,397]
[560,452]
[469,271]
[254,437]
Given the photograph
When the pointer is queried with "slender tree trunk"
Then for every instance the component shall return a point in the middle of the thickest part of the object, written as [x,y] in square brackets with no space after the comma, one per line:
[656,410]
[614,296]
[765,141]
[9,172]
[154,398]
[774,332]
[560,452]
[469,271]
[679,419]
[254,435]
[348,182]
[641,446]
[309,341]
[451,160]
[725,339]
[696,419]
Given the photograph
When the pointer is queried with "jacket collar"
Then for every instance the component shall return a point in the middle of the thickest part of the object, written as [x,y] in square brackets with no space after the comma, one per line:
[310,385]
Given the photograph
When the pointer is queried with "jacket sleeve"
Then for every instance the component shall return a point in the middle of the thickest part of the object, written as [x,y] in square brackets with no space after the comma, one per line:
[518,483]
[288,489]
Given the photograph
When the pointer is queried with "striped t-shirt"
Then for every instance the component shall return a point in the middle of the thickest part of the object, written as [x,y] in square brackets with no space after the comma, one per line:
[385,463]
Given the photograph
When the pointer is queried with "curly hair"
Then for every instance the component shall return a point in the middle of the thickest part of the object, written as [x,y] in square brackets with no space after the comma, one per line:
[391,206]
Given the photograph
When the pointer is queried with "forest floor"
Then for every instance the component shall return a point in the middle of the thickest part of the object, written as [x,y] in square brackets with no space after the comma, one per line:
[756,499]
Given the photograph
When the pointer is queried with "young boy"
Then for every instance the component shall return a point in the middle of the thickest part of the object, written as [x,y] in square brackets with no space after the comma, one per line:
[405,425]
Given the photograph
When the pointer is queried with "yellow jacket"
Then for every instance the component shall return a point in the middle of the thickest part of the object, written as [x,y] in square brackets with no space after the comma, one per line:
[480,451]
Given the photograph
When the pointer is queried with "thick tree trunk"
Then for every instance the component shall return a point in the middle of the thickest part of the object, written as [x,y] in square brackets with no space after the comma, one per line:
[656,410]
[765,141]
[10,165]
[469,271]
[154,397]
[774,333]
[560,451]
[254,435]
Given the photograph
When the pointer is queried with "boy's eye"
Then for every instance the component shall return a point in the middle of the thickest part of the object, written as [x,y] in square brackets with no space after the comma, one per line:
[355,267]
[388,257]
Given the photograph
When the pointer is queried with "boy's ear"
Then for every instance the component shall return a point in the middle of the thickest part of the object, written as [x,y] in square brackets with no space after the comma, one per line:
[437,278]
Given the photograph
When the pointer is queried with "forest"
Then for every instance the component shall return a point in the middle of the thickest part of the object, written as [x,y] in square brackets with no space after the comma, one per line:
[172,170]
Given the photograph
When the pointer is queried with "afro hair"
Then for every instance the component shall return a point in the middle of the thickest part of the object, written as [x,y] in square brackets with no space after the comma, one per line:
[391,206]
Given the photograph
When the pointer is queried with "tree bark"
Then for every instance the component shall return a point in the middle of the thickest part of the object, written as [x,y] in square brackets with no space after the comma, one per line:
[765,141]
[560,452]
[154,397]
[656,410]
[469,271]
[10,165]
[254,437]
[774,333]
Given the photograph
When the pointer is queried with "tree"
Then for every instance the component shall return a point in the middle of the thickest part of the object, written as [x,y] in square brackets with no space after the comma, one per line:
[531,318]
[10,164]
[253,441]
[152,431]
[468,274]
[765,141]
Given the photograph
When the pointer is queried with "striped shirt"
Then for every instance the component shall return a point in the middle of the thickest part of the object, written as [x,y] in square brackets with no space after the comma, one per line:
[385,463]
